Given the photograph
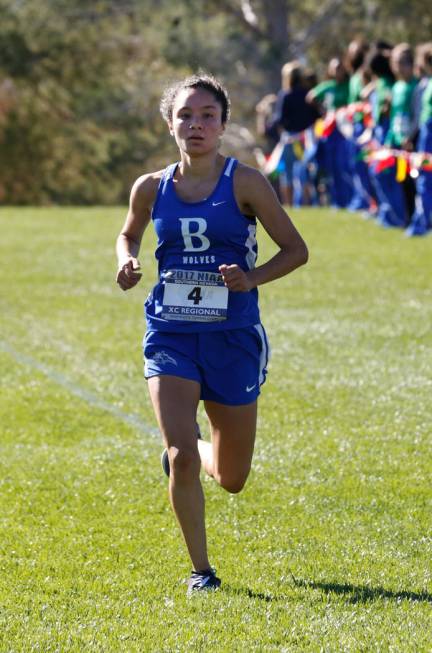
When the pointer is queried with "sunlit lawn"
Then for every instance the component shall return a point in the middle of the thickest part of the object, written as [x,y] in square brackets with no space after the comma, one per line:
[328,548]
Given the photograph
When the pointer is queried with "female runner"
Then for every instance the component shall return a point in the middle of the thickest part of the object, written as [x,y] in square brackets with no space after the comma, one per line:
[204,338]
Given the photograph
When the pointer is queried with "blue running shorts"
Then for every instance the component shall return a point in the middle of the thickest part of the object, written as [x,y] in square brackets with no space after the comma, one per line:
[229,365]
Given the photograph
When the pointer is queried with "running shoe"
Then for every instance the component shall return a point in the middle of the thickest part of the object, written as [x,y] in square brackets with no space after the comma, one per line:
[165,462]
[164,457]
[203,581]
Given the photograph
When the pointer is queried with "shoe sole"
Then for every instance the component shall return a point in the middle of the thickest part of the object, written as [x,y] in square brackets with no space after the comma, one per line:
[165,462]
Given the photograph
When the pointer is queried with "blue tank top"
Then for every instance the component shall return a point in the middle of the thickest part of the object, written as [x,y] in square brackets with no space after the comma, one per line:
[194,239]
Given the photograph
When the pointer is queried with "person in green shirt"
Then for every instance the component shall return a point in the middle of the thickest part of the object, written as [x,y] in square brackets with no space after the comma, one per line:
[332,93]
[425,61]
[426,105]
[379,92]
[362,189]
[421,222]
[355,59]
[397,196]
[402,112]
[420,70]
[328,96]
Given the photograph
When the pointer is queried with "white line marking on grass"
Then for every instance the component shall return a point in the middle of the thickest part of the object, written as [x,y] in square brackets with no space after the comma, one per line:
[78,391]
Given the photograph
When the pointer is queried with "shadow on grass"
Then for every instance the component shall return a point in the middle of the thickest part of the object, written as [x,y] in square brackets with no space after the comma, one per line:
[355,593]
[362,593]
[245,591]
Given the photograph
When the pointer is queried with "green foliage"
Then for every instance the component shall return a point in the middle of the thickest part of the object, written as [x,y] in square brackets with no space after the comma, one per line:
[77,124]
[328,548]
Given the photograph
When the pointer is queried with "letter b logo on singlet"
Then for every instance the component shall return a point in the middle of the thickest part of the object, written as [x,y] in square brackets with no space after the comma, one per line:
[193,230]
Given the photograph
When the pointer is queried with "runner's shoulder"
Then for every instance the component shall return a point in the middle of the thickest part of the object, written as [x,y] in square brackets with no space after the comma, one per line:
[248,173]
[144,189]
[247,178]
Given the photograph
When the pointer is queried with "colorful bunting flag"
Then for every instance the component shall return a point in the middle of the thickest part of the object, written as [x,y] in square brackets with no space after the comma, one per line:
[401,169]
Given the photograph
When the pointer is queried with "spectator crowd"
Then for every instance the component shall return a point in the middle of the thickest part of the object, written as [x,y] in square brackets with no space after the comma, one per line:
[361,139]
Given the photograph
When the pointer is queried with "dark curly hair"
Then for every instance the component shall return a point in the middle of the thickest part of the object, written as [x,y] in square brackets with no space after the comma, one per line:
[199,80]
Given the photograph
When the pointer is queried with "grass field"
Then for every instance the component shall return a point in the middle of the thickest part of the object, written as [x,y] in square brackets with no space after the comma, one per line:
[329,546]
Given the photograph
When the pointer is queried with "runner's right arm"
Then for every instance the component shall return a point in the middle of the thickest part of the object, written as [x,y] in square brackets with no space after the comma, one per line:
[141,201]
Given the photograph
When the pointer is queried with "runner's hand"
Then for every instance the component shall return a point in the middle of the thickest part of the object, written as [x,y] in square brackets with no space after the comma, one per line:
[235,278]
[129,274]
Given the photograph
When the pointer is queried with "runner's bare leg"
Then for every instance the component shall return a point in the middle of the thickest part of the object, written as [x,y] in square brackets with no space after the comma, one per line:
[175,401]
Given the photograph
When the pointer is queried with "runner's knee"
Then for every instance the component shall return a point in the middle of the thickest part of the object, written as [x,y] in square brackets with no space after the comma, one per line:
[232,484]
[184,462]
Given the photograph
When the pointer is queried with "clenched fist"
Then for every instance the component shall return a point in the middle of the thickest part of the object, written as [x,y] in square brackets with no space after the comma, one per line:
[129,274]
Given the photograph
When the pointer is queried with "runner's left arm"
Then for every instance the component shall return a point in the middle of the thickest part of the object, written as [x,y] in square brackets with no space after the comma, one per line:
[255,196]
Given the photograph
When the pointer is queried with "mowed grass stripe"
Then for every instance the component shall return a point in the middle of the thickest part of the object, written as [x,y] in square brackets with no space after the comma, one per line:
[82,393]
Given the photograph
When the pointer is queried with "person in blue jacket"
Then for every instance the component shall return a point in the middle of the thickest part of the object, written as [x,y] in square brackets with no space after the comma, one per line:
[291,117]
[204,336]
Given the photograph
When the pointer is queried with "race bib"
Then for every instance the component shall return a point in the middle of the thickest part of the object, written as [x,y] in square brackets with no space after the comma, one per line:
[193,295]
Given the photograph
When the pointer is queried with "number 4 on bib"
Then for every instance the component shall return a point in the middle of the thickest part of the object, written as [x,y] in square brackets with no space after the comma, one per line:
[195,295]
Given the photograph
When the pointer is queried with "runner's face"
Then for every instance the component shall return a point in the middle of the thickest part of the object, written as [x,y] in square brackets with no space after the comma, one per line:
[196,121]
